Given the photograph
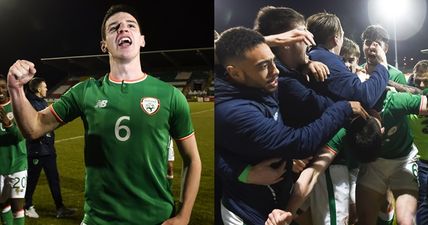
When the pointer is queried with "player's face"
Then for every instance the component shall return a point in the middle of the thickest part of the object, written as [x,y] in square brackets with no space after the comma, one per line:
[351,61]
[369,49]
[43,89]
[4,95]
[123,36]
[421,80]
[257,70]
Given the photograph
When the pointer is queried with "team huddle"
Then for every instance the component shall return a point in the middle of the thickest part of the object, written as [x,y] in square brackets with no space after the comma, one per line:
[306,135]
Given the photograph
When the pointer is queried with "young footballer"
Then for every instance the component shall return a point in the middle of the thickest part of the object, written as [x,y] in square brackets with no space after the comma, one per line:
[128,117]
[13,163]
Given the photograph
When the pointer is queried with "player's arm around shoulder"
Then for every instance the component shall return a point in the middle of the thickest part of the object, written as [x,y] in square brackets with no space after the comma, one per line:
[192,174]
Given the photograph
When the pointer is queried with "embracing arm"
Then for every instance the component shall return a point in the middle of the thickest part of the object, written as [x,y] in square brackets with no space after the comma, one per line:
[290,37]
[302,188]
[251,134]
[32,124]
[404,88]
[308,178]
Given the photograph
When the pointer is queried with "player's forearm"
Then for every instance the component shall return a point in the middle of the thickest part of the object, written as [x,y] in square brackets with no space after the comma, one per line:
[308,178]
[303,187]
[192,175]
[25,115]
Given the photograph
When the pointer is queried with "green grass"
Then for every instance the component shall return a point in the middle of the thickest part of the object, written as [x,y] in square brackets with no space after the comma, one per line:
[71,169]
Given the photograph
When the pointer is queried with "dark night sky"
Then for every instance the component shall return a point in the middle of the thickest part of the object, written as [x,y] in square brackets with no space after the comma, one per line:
[54,28]
[353,14]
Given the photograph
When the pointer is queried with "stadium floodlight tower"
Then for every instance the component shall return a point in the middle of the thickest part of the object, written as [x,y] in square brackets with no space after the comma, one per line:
[406,16]
[395,10]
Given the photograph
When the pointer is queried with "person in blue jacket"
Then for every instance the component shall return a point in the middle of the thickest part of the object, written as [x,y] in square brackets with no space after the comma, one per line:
[42,155]
[249,127]
[342,83]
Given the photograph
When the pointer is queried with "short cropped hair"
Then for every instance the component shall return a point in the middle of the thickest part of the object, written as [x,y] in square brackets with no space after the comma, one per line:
[235,42]
[349,48]
[117,9]
[323,26]
[34,84]
[375,32]
[274,20]
[365,139]
[421,67]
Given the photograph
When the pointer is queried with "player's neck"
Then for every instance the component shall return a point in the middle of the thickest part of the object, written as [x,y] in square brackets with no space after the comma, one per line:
[126,71]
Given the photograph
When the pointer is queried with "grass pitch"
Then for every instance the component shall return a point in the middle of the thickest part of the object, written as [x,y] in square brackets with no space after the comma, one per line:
[69,145]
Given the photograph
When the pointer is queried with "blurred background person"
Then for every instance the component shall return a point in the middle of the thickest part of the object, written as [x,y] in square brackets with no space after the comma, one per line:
[42,155]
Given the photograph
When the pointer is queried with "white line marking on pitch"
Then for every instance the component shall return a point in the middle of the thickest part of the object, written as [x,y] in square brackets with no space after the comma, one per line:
[68,139]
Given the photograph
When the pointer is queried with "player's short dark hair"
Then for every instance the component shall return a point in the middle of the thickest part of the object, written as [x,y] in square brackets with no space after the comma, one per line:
[274,20]
[34,84]
[421,67]
[323,26]
[116,9]
[349,48]
[235,42]
[365,139]
[374,33]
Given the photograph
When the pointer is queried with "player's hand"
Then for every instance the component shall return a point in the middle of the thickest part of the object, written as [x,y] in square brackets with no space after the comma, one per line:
[317,70]
[362,75]
[358,109]
[279,217]
[176,220]
[4,119]
[300,164]
[20,73]
[264,174]
[290,37]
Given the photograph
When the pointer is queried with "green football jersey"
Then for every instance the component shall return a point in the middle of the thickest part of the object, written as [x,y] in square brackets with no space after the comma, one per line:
[13,151]
[340,147]
[394,74]
[397,138]
[127,130]
[419,126]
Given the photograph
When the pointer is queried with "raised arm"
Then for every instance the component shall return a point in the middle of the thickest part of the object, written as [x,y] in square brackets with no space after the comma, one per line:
[342,84]
[192,175]
[290,37]
[32,124]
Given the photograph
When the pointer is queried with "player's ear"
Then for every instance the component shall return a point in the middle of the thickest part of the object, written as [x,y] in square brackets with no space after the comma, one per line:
[386,47]
[235,73]
[103,46]
[143,41]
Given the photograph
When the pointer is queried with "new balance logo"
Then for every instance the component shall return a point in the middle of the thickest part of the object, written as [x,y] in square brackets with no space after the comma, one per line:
[101,104]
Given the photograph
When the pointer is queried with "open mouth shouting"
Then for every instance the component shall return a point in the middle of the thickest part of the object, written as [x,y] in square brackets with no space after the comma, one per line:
[124,41]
